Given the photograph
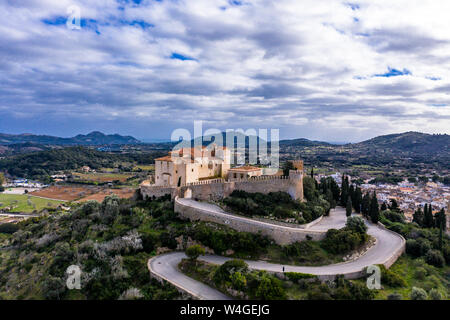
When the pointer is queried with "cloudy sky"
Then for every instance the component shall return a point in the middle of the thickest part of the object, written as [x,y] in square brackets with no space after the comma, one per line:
[327,70]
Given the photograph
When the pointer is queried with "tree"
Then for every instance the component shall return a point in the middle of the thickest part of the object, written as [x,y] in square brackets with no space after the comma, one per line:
[418,217]
[365,205]
[193,252]
[348,209]
[428,221]
[374,211]
[2,179]
[356,224]
[358,200]
[383,206]
[344,191]
[312,172]
[394,205]
[288,165]
[418,294]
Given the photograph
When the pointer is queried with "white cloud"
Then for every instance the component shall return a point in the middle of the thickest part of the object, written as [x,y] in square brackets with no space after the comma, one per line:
[295,65]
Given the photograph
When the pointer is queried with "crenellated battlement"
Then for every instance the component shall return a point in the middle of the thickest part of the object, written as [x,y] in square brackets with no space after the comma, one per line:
[216,189]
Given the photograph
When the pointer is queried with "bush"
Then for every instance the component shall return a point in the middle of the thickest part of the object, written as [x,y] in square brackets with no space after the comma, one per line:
[418,294]
[395,296]
[417,248]
[226,270]
[9,228]
[435,294]
[356,224]
[342,241]
[270,288]
[435,258]
[391,278]
[296,276]
[193,252]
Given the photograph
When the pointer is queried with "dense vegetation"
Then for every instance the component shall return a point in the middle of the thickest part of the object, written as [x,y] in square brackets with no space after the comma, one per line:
[279,205]
[40,165]
[235,279]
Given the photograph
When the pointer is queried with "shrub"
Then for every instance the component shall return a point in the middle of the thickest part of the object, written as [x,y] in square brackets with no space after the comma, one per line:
[418,294]
[435,294]
[395,296]
[417,248]
[296,276]
[270,288]
[9,228]
[356,224]
[420,273]
[391,278]
[435,258]
[193,252]
[238,281]
[224,272]
[342,241]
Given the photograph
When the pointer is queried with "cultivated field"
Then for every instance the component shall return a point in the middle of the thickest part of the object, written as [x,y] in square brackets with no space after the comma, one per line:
[124,193]
[66,193]
[101,177]
[25,203]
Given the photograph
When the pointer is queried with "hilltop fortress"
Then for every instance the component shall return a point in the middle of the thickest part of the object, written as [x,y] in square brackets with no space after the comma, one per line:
[203,173]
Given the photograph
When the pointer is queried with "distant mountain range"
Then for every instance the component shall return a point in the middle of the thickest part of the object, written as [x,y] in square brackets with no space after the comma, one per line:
[408,142]
[93,138]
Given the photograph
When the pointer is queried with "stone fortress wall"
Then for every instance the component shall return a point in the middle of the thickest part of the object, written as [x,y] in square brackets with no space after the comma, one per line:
[217,189]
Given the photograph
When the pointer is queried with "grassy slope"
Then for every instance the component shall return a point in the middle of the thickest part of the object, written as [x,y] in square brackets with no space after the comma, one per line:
[22,204]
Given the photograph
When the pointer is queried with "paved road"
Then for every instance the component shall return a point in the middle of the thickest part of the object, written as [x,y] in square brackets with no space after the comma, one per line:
[387,243]
[166,266]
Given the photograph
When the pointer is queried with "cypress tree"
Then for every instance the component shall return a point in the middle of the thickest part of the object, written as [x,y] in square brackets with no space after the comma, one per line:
[365,204]
[348,209]
[344,192]
[374,210]
[428,217]
[418,217]
[358,200]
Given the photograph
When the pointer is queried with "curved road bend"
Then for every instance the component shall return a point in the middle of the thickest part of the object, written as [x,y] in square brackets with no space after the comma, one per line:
[166,266]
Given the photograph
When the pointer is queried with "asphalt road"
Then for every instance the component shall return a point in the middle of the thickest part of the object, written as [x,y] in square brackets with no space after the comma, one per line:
[387,243]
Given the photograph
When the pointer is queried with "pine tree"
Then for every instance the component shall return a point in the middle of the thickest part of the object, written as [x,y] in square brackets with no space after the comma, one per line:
[374,211]
[348,209]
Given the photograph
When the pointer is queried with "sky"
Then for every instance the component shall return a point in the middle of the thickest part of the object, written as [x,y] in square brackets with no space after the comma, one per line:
[325,70]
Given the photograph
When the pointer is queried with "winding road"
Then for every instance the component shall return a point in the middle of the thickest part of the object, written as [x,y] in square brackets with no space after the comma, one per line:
[388,247]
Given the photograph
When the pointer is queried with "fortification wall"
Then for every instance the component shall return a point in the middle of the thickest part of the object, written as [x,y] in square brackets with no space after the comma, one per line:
[218,188]
[157,191]
[280,234]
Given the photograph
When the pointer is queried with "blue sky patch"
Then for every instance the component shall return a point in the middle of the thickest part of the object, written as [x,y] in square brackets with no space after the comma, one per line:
[177,56]
[394,73]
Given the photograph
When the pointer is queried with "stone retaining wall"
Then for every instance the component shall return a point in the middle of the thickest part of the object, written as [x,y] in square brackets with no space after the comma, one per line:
[280,234]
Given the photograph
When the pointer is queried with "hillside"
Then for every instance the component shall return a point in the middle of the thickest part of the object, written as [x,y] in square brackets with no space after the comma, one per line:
[93,138]
[410,142]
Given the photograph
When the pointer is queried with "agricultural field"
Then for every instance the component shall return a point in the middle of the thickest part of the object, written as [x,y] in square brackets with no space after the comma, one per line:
[101,177]
[66,193]
[150,167]
[26,203]
[124,193]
